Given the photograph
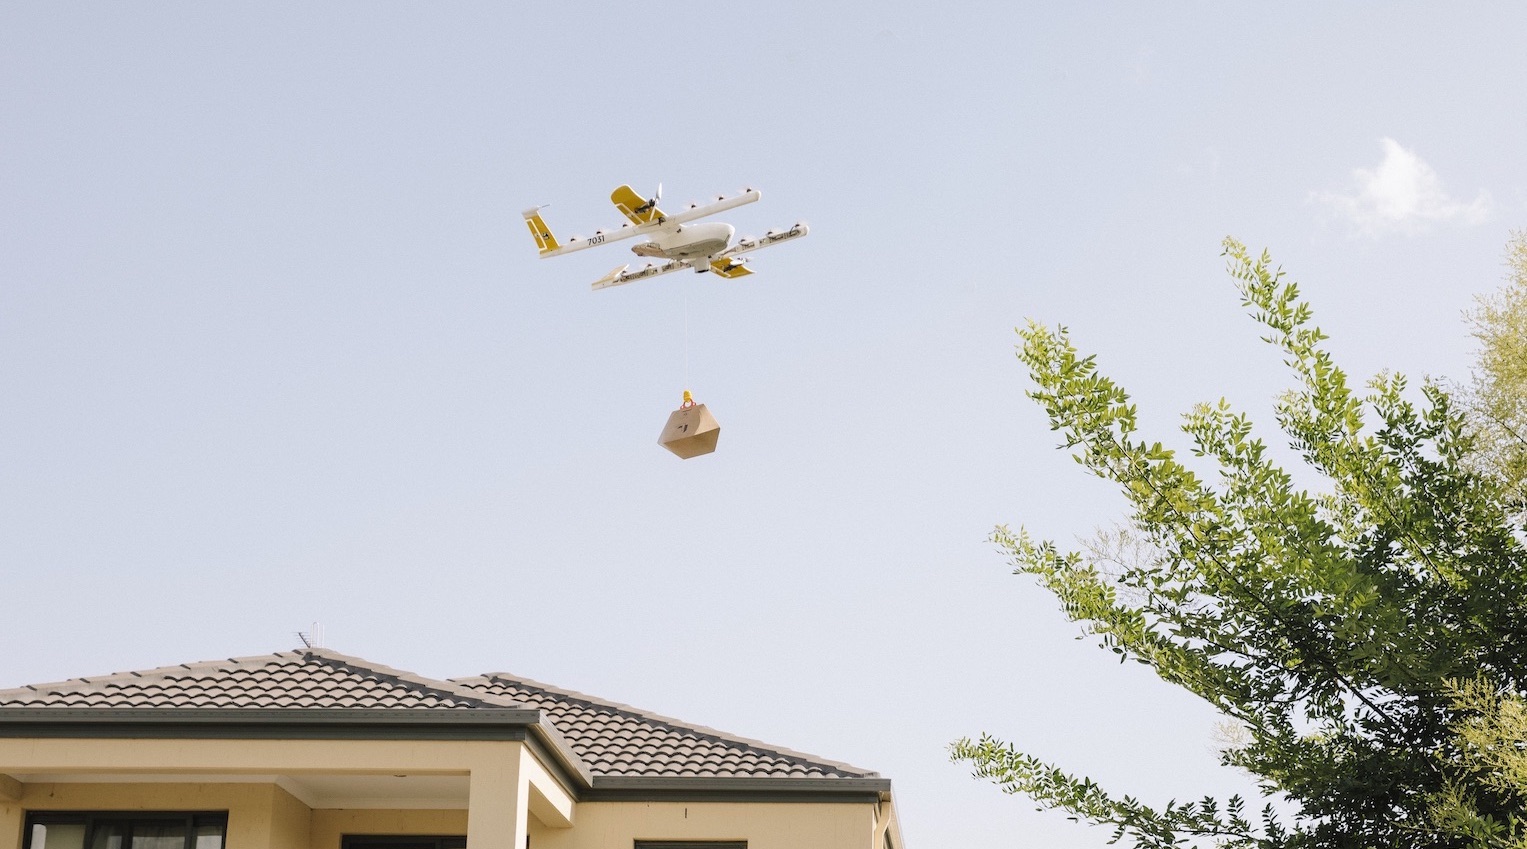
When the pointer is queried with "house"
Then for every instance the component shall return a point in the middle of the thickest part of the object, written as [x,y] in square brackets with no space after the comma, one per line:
[311,749]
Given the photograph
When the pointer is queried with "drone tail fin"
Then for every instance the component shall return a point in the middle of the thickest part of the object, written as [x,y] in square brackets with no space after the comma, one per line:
[546,243]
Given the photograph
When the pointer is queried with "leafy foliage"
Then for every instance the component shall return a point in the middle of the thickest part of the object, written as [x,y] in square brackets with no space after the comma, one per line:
[1495,403]
[1492,736]
[1330,624]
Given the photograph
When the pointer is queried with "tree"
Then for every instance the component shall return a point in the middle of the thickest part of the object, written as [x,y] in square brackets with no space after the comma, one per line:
[1492,737]
[1333,626]
[1495,404]
[1492,726]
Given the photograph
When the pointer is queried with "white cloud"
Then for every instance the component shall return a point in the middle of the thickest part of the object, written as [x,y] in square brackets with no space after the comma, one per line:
[1402,195]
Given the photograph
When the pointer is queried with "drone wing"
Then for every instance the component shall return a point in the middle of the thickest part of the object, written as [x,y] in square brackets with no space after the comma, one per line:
[722,203]
[729,268]
[767,240]
[644,213]
[725,264]
[619,276]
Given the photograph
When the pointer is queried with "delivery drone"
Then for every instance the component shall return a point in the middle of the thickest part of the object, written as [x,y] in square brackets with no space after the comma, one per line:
[702,247]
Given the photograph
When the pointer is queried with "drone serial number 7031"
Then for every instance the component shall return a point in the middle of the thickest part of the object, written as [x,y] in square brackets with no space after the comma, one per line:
[703,247]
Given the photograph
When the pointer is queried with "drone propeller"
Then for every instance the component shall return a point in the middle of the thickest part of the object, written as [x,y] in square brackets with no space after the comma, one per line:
[650,203]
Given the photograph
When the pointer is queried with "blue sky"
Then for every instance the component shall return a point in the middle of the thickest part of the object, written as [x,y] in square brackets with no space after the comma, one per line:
[275,347]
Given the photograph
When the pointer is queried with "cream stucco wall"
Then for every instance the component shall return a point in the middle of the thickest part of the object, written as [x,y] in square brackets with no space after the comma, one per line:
[330,825]
[511,795]
[12,818]
[264,816]
[617,825]
[291,822]
[499,772]
[764,825]
[259,815]
[23,755]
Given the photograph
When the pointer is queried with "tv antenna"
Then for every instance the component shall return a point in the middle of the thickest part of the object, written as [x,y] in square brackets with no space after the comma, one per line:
[313,637]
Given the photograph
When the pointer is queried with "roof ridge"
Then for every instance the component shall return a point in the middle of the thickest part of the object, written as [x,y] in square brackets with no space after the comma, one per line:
[803,758]
[97,684]
[443,685]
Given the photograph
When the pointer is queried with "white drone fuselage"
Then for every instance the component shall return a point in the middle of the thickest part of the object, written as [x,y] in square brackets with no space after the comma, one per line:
[693,241]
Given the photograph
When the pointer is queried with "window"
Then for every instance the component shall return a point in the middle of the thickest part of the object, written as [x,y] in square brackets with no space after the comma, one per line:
[377,841]
[124,830]
[691,844]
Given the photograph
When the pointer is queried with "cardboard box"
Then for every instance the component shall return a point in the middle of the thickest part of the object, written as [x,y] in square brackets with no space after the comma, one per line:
[690,432]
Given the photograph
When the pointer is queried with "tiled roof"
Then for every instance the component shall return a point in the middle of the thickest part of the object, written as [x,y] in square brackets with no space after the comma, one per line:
[295,679]
[618,740]
[611,740]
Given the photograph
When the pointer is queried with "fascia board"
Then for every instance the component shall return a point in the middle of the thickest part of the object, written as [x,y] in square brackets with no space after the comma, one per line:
[743,784]
[553,749]
[303,723]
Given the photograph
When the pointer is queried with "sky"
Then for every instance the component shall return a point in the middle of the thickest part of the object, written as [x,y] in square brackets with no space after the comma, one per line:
[276,348]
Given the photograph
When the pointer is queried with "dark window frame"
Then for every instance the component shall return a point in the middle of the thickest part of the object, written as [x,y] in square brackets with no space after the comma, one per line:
[440,841]
[93,819]
[691,844]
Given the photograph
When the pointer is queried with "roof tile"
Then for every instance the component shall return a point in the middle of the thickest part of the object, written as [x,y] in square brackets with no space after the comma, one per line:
[619,740]
[305,678]
[611,739]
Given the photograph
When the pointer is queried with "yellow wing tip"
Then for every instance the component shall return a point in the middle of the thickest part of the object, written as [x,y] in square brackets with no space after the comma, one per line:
[634,206]
[729,268]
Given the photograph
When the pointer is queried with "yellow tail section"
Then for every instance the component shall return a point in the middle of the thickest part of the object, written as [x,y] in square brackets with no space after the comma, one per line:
[635,207]
[729,268]
[545,241]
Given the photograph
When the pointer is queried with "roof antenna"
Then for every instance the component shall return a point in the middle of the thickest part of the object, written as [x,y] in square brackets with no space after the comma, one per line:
[313,637]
